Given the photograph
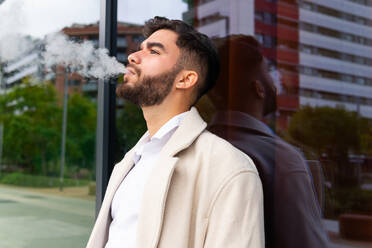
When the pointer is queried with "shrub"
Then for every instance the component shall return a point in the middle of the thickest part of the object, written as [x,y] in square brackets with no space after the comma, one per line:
[25,180]
[351,200]
[92,188]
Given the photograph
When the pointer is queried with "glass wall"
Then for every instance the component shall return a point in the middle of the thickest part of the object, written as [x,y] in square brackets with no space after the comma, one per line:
[294,93]
[47,122]
[318,56]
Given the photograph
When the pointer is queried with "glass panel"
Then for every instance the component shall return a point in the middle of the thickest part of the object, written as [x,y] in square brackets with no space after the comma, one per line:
[318,56]
[47,122]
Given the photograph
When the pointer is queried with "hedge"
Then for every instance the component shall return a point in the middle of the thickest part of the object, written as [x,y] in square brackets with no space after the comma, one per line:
[26,180]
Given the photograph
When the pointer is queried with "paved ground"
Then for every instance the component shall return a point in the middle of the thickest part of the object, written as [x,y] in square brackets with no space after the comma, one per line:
[39,220]
[48,218]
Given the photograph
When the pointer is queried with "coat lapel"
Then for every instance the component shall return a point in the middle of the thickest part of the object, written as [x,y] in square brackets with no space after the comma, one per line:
[100,231]
[121,170]
[155,194]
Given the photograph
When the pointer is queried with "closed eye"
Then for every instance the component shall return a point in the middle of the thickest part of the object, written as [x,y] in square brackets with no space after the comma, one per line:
[152,51]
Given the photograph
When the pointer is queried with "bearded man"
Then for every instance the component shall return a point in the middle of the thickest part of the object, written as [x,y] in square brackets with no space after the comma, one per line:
[180,185]
[244,94]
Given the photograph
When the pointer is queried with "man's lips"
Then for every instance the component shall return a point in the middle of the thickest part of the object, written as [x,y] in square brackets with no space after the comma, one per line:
[131,71]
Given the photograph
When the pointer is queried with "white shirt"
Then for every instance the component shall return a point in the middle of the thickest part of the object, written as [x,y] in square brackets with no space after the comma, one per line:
[126,203]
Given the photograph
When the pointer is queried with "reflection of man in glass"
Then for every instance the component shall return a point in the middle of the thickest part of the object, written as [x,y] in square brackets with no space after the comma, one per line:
[180,186]
[244,94]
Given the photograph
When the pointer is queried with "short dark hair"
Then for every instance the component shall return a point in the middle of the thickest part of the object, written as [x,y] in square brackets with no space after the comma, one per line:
[248,53]
[240,60]
[197,51]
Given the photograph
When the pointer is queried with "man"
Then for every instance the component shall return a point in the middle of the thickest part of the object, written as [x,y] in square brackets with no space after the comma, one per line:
[244,94]
[179,186]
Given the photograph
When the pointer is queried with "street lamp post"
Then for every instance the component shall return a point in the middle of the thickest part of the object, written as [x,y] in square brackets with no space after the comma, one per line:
[2,86]
[64,127]
[1,145]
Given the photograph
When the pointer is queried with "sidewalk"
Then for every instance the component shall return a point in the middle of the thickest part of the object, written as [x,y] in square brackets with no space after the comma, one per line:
[40,220]
[31,219]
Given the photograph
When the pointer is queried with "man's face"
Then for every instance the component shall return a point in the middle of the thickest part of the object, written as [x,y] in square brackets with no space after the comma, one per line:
[270,103]
[152,70]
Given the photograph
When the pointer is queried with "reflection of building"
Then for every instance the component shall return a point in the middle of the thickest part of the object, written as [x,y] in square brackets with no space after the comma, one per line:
[336,54]
[26,65]
[322,48]
[129,37]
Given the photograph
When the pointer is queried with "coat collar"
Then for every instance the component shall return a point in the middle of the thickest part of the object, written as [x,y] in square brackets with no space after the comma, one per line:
[191,126]
[155,194]
[188,131]
[242,120]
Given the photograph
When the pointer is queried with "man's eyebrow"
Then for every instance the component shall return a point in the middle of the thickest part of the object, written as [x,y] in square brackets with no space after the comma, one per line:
[154,44]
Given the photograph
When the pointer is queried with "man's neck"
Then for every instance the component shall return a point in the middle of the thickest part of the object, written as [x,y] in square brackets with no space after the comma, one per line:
[254,109]
[157,116]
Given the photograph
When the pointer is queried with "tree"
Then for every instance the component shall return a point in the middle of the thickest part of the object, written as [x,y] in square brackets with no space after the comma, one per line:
[31,118]
[130,126]
[81,132]
[334,132]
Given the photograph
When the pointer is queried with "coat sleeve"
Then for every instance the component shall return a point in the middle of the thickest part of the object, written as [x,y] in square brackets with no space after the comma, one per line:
[235,218]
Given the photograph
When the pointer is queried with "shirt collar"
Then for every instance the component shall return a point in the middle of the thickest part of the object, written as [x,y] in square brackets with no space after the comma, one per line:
[166,129]
[168,126]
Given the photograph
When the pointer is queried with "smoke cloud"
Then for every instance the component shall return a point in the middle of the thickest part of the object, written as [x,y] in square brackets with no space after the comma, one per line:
[12,43]
[82,57]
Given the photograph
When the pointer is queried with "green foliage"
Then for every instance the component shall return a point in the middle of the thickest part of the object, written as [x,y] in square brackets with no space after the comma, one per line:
[32,117]
[92,189]
[130,126]
[326,129]
[25,180]
[366,138]
[352,200]
[81,128]
[334,132]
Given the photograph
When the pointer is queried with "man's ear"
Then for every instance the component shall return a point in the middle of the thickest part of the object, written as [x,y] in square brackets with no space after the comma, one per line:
[260,90]
[186,79]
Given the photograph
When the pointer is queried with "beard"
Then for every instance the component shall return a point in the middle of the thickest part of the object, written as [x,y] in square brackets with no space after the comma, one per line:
[270,102]
[151,90]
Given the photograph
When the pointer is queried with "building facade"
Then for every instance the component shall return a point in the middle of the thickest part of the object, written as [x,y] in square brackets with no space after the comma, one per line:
[322,49]
[28,64]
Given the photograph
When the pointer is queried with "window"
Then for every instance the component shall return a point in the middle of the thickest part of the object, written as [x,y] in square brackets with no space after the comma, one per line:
[121,56]
[269,41]
[138,38]
[259,38]
[268,18]
[122,42]
[360,80]
[258,15]
[307,5]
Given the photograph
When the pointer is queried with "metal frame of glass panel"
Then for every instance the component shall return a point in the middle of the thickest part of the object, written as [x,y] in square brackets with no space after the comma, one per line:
[105,139]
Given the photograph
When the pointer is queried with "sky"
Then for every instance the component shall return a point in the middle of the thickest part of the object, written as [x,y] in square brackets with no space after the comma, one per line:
[40,17]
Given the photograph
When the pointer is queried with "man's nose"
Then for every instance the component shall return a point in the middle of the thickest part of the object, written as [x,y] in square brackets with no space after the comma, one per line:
[134,58]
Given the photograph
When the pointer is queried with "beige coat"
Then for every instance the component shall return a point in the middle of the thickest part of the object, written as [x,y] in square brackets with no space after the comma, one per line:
[203,192]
